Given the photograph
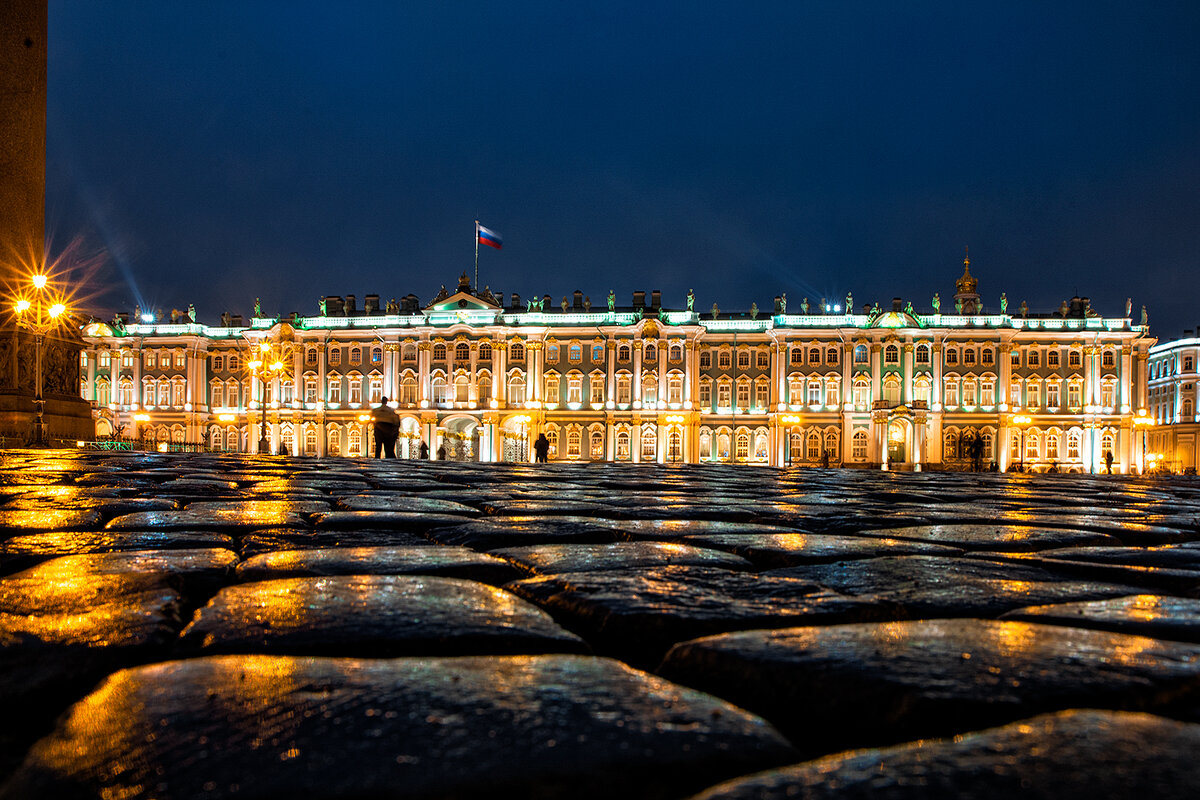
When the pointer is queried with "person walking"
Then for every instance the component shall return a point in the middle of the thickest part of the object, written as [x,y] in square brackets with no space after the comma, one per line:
[542,448]
[386,423]
[424,451]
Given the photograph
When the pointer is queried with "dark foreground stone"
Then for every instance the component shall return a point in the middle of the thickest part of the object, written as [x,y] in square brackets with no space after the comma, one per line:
[1160,616]
[1072,755]
[879,683]
[448,562]
[374,616]
[553,559]
[273,727]
[641,613]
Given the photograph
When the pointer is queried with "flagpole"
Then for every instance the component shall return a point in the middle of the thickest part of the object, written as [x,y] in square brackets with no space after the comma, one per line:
[477,255]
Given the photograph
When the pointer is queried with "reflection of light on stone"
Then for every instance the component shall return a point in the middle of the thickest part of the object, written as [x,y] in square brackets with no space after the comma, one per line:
[1145,607]
[1012,638]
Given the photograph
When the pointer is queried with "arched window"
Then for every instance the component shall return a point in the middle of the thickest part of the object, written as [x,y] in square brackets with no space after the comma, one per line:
[623,352]
[462,389]
[440,393]
[1073,445]
[231,440]
[1052,445]
[408,391]
[355,448]
[335,441]
[575,352]
[517,351]
[891,354]
[552,388]
[922,354]
[676,353]
[552,437]
[813,449]
[483,388]
[597,445]
[742,446]
[796,355]
[724,359]
[623,445]
[951,445]
[814,355]
[462,352]
[439,352]
[861,356]
[376,355]
[485,352]
[516,390]
[310,441]
[831,356]
[649,443]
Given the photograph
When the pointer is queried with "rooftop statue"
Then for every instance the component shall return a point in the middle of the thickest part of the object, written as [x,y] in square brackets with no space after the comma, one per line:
[691,299]
[1024,309]
[612,300]
[1003,303]
[257,308]
[1145,316]
[937,303]
[804,305]
[715,311]
[783,303]
[754,311]
[1128,307]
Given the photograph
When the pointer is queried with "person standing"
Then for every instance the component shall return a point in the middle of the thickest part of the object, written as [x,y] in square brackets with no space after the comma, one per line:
[542,448]
[386,424]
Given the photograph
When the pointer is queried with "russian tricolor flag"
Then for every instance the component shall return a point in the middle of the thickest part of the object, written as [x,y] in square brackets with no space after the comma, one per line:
[488,237]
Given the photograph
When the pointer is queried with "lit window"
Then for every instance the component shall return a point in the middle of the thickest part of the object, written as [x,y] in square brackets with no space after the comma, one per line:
[462,352]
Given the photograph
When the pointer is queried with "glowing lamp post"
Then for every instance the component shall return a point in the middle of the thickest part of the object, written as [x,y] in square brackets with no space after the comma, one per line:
[39,313]
[265,365]
[1021,420]
[1143,420]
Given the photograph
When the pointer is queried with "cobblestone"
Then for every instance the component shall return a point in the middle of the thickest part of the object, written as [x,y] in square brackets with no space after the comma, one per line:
[232,626]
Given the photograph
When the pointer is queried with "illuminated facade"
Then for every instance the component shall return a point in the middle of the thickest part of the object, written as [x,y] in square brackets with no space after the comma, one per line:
[642,383]
[1172,404]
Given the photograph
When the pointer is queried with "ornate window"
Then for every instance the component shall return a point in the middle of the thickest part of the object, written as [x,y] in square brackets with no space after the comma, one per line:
[356,355]
[462,352]
[951,355]
[552,388]
[597,445]
[624,389]
[649,391]
[922,354]
[1074,359]
[743,358]
[724,394]
[622,445]
[517,352]
[1052,358]
[675,354]
[861,356]
[597,389]
[762,393]
[624,352]
[705,398]
[831,356]
[575,388]
[649,443]
[814,392]
[575,353]
[969,356]
[1034,358]
[1073,445]
[743,393]
[675,388]
[724,359]
[516,390]
[1052,394]
[987,356]
[763,359]
[796,355]
[485,353]
[650,353]
[335,357]
[813,449]
[311,356]
[439,353]
[462,389]
[483,388]
[858,446]
[574,440]
[705,359]
[891,354]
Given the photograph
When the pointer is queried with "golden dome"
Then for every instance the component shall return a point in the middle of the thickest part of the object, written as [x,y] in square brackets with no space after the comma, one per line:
[967,283]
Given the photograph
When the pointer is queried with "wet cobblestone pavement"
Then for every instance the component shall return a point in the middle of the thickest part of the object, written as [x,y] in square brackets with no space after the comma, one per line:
[214,626]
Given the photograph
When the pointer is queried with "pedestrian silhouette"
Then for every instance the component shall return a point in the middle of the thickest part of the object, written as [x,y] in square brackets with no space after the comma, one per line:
[424,452]
[386,427]
[542,448]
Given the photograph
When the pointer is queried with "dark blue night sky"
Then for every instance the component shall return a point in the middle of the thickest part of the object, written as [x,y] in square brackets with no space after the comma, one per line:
[225,151]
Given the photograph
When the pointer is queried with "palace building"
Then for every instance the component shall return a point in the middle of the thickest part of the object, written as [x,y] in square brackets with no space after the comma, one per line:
[477,379]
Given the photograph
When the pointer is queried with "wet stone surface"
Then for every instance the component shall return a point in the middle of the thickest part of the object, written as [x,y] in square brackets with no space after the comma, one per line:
[549,726]
[873,684]
[1065,756]
[426,629]
[373,615]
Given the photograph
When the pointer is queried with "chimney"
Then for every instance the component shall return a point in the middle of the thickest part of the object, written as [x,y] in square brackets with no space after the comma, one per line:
[371,304]
[577,300]
[546,302]
[655,298]
[350,305]
[897,304]
[639,300]
[516,300]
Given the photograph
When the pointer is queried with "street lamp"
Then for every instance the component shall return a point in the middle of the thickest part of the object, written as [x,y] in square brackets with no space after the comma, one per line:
[1143,420]
[1021,420]
[40,313]
[265,364]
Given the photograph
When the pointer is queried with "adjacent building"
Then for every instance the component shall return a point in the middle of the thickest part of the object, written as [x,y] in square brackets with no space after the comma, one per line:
[476,378]
[1172,399]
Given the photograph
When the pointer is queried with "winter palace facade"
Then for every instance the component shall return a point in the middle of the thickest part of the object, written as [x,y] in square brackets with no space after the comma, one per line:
[475,379]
